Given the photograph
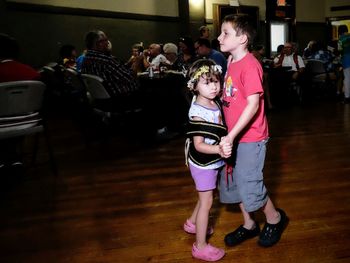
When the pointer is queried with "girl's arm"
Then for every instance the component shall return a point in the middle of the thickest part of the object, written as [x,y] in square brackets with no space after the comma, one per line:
[246,116]
[203,147]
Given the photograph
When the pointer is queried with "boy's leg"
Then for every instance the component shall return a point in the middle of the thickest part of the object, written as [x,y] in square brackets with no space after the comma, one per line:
[271,214]
[277,221]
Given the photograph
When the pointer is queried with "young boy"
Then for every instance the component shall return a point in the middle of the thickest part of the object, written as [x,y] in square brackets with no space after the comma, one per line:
[243,107]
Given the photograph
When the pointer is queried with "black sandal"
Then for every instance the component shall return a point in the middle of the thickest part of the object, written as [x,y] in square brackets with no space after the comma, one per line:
[241,234]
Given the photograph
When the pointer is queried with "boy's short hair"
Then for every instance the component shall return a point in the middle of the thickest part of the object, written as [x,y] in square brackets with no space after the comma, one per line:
[243,25]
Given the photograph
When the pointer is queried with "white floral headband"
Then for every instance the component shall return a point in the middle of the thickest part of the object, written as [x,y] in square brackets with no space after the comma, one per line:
[202,70]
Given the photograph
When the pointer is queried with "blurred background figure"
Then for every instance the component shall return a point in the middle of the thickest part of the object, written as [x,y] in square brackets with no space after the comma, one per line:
[153,56]
[171,54]
[344,48]
[135,62]
[67,56]
[204,32]
[187,54]
[308,50]
[10,68]
[204,50]
[119,81]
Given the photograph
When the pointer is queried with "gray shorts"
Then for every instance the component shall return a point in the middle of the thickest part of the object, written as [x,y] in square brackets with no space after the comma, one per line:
[245,185]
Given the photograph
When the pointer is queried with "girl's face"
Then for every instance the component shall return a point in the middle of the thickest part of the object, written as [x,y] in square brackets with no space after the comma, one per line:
[229,41]
[208,87]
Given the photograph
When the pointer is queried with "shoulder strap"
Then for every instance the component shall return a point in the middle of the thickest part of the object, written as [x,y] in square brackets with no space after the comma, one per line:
[295,58]
[206,129]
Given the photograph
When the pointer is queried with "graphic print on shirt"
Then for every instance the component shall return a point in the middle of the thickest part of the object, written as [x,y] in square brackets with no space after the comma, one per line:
[230,90]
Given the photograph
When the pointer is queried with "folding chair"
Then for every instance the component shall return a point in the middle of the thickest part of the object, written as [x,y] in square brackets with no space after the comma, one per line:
[20,113]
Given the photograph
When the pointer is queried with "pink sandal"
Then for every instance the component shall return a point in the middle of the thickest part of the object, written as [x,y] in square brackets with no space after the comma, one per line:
[190,228]
[208,253]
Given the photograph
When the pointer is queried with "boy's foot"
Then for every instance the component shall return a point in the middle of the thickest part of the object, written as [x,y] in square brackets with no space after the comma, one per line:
[190,228]
[208,253]
[241,234]
[271,233]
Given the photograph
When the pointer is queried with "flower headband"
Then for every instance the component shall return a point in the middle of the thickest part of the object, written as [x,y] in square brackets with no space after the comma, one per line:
[203,70]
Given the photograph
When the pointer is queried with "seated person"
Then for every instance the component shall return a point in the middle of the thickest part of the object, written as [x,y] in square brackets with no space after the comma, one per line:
[291,80]
[67,56]
[319,52]
[289,58]
[10,68]
[79,60]
[119,81]
[171,54]
[308,51]
[153,57]
[135,62]
[204,50]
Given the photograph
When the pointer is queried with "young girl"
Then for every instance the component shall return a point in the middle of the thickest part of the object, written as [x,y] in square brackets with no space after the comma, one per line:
[203,152]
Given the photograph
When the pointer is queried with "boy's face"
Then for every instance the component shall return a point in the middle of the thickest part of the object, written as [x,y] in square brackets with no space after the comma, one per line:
[229,41]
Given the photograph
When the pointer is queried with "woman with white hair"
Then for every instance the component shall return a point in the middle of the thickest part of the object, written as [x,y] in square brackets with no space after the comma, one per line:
[172,56]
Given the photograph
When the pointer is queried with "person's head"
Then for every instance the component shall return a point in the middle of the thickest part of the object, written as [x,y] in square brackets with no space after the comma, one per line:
[186,45]
[9,48]
[280,49]
[204,78]
[97,40]
[136,50]
[202,46]
[237,31]
[170,51]
[342,29]
[204,32]
[154,50]
[288,48]
[68,51]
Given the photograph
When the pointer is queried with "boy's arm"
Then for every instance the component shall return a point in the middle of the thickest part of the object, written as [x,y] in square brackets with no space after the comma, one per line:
[246,116]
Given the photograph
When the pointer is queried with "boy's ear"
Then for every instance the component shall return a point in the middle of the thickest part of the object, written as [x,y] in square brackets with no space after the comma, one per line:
[243,39]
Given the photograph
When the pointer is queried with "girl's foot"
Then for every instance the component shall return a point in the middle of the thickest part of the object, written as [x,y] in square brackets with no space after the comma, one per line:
[208,253]
[190,228]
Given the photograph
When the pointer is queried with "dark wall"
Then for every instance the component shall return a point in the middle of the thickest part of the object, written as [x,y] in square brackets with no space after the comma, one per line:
[41,33]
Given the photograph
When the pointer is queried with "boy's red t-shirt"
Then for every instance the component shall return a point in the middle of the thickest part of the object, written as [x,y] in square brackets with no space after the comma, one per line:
[244,78]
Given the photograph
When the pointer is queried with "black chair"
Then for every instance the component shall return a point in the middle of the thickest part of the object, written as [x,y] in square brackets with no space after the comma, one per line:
[21,113]
[318,76]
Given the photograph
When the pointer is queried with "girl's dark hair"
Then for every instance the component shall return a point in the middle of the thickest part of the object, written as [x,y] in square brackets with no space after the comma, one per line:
[243,25]
[196,66]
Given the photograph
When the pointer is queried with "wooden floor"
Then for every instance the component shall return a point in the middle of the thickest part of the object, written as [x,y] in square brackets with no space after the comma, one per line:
[122,201]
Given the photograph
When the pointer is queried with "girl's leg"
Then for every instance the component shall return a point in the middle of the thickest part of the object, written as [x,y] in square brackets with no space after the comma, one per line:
[205,203]
[194,213]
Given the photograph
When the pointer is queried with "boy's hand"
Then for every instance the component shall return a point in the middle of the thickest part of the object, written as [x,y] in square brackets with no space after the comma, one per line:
[225,147]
